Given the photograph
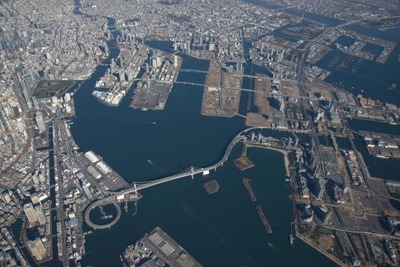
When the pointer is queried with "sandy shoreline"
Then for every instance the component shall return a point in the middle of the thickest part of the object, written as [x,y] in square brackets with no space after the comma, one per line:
[285,156]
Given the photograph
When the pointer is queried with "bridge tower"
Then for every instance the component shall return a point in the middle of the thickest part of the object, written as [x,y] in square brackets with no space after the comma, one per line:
[134,186]
[192,171]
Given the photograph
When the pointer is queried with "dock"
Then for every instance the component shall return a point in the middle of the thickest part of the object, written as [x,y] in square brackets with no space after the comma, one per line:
[246,183]
[264,219]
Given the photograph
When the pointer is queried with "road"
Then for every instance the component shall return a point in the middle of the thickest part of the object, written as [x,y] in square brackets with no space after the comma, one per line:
[30,131]
[58,143]
[248,90]
[352,231]
[301,84]
[243,75]
[102,226]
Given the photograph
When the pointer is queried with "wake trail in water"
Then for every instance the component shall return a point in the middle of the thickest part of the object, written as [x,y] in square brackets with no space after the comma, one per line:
[275,248]
[151,163]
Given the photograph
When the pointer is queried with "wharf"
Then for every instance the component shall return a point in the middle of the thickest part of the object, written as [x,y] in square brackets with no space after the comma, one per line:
[246,183]
[98,171]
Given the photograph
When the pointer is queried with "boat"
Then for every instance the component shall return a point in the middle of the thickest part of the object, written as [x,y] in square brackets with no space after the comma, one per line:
[393,86]
[382,156]
[150,162]
[144,109]
[291,239]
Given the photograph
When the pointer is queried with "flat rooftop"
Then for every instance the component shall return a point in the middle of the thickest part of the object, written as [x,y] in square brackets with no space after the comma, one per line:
[168,250]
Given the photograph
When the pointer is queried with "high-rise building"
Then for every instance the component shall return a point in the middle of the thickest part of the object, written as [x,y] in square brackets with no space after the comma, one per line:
[24,78]
[40,122]
[153,62]
[37,249]
[121,62]
[159,61]
[30,213]
[130,75]
[121,75]
[211,47]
